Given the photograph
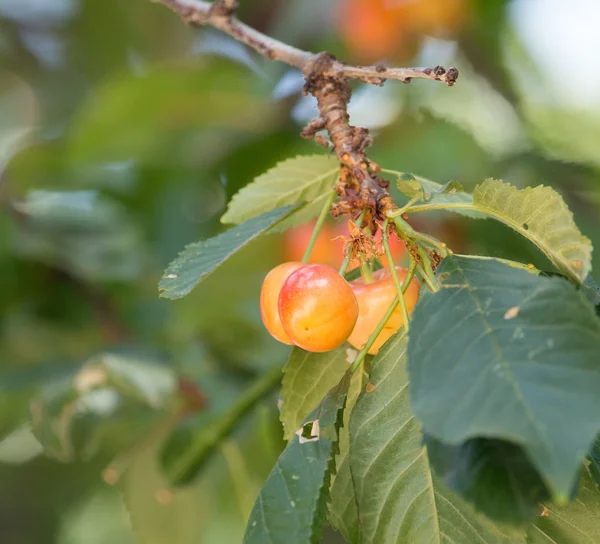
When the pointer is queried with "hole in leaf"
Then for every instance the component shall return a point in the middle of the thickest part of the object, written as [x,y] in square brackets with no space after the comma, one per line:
[309,432]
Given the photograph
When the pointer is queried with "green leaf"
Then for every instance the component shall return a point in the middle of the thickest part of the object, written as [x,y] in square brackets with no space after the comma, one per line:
[399,498]
[435,196]
[186,452]
[510,355]
[541,215]
[158,513]
[200,259]
[291,504]
[308,178]
[575,523]
[341,510]
[91,236]
[591,290]
[495,476]
[132,116]
[306,379]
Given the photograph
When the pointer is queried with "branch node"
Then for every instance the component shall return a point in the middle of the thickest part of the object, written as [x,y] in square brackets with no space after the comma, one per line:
[222,8]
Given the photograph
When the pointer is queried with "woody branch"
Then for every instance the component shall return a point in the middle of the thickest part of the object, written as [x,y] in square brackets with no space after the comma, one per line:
[327,80]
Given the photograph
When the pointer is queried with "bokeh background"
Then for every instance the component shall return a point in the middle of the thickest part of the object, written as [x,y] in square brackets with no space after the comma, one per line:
[122,136]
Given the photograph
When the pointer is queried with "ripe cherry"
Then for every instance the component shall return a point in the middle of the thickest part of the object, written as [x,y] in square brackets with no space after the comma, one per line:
[269,296]
[373,301]
[317,308]
[327,249]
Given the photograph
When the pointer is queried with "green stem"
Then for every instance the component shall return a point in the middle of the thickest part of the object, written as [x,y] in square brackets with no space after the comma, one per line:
[405,208]
[346,262]
[426,279]
[402,225]
[365,271]
[318,226]
[399,286]
[219,429]
[426,262]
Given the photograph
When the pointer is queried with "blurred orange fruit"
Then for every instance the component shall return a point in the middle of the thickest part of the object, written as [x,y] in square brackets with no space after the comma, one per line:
[375,29]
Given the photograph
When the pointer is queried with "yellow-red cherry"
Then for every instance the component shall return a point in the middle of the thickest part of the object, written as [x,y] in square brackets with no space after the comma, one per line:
[269,297]
[374,299]
[317,308]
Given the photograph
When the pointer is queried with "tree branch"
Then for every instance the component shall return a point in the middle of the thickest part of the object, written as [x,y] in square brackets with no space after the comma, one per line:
[218,15]
[326,78]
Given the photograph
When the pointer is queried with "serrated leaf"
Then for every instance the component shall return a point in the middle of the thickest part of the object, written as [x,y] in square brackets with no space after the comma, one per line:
[301,179]
[575,523]
[399,498]
[435,196]
[186,451]
[200,259]
[541,215]
[341,510]
[307,377]
[290,505]
[508,355]
[495,476]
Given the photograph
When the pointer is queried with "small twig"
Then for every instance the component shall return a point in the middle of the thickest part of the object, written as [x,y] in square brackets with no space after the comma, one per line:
[376,75]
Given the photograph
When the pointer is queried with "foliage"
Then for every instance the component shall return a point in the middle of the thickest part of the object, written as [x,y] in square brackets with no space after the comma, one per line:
[127,417]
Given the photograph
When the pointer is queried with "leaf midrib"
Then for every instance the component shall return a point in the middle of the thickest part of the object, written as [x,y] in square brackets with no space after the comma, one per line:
[506,364]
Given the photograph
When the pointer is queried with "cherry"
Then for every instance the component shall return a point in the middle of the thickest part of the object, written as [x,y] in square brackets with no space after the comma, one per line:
[327,249]
[269,296]
[317,308]
[373,301]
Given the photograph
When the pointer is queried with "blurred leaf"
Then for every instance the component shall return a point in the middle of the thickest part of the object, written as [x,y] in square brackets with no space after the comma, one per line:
[73,414]
[341,509]
[200,259]
[291,504]
[574,523]
[397,496]
[500,340]
[495,476]
[185,453]
[89,236]
[20,446]
[306,379]
[159,514]
[308,178]
[137,116]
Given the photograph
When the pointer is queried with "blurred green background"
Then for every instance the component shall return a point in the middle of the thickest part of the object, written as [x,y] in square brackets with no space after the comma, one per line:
[124,133]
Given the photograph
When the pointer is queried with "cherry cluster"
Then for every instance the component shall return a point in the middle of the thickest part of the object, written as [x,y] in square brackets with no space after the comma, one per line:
[313,307]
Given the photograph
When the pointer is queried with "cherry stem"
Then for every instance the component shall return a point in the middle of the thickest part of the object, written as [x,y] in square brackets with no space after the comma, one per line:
[402,225]
[365,271]
[399,286]
[365,350]
[426,279]
[346,262]
[400,211]
[259,389]
[318,226]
